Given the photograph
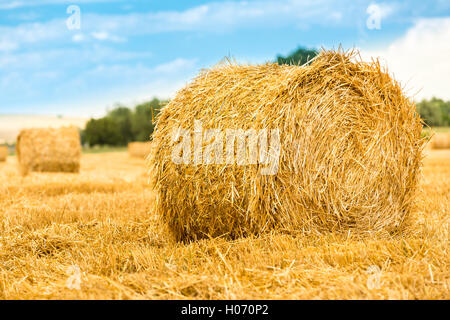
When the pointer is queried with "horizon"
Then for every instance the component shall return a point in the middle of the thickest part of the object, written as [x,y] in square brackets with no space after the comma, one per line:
[12,124]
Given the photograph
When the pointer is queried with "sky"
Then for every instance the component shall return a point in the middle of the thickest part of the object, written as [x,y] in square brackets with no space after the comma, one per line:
[82,57]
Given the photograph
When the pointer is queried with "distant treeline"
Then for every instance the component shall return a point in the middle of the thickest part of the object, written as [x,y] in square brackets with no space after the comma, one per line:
[122,125]
[435,112]
[298,57]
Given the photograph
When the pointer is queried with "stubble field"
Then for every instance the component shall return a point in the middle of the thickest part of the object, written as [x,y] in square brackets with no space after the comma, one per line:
[95,236]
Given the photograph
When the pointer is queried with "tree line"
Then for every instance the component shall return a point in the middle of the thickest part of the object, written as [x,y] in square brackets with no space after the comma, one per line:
[434,112]
[122,125]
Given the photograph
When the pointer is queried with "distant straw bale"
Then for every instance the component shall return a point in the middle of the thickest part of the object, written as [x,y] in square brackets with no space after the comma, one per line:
[440,140]
[49,150]
[349,156]
[139,149]
[3,153]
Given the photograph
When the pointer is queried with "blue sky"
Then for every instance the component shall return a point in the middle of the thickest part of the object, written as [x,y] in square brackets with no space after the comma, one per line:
[129,51]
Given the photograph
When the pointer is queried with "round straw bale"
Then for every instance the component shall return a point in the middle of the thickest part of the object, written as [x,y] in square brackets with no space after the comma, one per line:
[441,140]
[349,154]
[3,153]
[139,149]
[49,150]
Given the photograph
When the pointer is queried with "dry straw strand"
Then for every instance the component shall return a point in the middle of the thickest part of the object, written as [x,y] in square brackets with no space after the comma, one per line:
[351,151]
[49,150]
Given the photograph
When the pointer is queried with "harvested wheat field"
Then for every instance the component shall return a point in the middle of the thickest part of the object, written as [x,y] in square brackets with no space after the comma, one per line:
[95,236]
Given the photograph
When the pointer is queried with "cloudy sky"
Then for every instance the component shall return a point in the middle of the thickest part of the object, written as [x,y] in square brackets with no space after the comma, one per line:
[130,51]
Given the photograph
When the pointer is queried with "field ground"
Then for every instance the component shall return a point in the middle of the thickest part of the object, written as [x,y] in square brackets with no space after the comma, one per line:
[95,236]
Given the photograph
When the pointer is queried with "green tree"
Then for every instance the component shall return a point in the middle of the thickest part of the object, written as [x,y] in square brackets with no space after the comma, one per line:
[122,125]
[143,119]
[104,131]
[122,116]
[298,57]
[435,112]
[445,111]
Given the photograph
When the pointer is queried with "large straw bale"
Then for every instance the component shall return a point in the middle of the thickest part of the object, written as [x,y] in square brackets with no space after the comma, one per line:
[3,153]
[441,140]
[49,150]
[139,149]
[349,160]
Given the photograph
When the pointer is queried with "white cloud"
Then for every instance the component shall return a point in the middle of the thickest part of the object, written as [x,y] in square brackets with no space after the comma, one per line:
[383,9]
[143,84]
[100,35]
[53,31]
[78,37]
[105,36]
[8,4]
[215,17]
[223,17]
[68,89]
[175,65]
[6,45]
[420,59]
[24,16]
[31,33]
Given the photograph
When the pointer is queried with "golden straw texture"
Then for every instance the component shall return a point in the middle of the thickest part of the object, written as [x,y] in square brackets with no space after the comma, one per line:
[350,151]
[49,150]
